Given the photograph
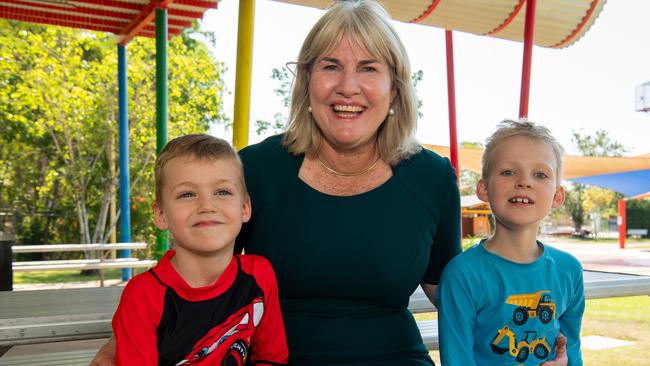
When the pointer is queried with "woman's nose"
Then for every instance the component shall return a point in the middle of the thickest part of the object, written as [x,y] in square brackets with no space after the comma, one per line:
[349,83]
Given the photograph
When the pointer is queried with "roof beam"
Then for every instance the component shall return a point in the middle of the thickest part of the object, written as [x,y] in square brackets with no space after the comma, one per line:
[145,17]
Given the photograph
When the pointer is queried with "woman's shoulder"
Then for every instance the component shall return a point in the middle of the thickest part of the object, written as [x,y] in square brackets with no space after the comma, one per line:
[268,160]
[425,160]
[268,148]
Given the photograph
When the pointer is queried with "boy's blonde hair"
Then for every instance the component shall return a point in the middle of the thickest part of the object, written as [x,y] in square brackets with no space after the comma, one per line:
[368,24]
[198,146]
[510,128]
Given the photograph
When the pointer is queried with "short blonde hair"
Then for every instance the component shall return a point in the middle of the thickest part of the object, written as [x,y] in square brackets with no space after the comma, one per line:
[368,24]
[510,128]
[199,146]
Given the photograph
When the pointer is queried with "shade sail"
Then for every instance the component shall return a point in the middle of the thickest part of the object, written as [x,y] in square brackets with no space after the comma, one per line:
[629,176]
[558,23]
[125,18]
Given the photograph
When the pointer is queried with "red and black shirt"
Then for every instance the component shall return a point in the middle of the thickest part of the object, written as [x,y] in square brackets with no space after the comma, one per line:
[161,320]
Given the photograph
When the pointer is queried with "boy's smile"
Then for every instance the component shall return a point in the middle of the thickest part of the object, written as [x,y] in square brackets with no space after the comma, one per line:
[203,205]
[522,184]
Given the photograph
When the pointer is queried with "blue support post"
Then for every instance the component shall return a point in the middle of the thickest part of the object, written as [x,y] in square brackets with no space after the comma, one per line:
[125,207]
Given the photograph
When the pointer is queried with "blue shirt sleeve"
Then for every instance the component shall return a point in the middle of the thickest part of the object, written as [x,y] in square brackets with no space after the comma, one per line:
[571,320]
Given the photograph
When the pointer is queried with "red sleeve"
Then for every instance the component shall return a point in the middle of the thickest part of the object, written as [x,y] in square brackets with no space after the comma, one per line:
[136,320]
[269,341]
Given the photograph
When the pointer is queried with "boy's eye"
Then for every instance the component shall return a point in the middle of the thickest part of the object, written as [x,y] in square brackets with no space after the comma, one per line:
[186,195]
[541,175]
[507,173]
[223,192]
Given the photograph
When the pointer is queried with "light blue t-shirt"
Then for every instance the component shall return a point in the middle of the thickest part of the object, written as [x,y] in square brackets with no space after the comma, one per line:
[493,311]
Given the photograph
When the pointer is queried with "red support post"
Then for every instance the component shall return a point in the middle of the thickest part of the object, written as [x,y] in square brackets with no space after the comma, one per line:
[622,223]
[529,37]
[451,99]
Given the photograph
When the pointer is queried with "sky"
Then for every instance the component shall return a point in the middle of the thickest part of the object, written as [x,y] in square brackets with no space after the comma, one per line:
[586,87]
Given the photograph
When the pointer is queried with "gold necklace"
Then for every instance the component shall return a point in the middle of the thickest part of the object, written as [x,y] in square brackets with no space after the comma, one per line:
[355,174]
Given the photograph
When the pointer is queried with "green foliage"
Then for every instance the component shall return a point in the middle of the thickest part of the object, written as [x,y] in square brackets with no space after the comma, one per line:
[638,214]
[580,199]
[59,123]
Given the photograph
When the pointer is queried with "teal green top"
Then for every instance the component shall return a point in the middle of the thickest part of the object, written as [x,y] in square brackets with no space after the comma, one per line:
[346,266]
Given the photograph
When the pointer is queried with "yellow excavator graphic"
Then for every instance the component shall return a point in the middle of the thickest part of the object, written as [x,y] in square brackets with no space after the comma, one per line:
[521,350]
[532,305]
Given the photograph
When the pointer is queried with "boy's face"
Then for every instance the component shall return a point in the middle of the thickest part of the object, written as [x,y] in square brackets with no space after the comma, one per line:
[203,204]
[521,186]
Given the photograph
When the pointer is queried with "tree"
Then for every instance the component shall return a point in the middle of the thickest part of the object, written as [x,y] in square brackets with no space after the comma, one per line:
[581,199]
[58,122]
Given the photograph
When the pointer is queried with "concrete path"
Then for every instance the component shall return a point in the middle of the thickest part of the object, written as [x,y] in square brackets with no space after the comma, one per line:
[634,259]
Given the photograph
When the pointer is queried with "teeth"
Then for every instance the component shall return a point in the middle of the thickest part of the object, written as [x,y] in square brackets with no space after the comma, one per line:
[348,108]
[520,200]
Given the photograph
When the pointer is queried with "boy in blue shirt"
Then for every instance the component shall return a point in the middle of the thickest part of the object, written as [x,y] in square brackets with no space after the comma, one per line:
[504,301]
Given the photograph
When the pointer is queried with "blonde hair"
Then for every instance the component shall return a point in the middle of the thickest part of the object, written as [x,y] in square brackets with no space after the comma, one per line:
[368,24]
[510,128]
[198,146]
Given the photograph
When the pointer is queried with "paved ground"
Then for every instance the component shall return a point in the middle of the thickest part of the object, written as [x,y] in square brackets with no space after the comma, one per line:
[634,259]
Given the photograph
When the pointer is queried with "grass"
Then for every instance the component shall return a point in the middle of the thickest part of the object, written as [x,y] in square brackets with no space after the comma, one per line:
[26,278]
[626,318]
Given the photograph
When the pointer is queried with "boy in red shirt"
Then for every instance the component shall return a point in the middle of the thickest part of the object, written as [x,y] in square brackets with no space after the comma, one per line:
[200,304]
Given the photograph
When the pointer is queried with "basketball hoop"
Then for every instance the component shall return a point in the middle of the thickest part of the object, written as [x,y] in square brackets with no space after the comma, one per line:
[643,97]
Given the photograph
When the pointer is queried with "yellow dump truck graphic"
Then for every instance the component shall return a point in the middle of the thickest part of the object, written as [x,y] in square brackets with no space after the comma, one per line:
[534,305]
[520,350]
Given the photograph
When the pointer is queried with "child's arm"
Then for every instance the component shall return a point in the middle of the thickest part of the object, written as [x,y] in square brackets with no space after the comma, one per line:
[456,318]
[269,342]
[133,327]
[571,321]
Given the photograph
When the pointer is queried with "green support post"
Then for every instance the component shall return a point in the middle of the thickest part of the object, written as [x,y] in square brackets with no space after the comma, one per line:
[162,236]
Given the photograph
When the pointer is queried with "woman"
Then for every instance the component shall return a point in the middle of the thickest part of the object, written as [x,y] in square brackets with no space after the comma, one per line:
[351,212]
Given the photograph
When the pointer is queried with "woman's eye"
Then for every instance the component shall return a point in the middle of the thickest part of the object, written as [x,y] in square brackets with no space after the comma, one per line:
[186,195]
[369,69]
[330,67]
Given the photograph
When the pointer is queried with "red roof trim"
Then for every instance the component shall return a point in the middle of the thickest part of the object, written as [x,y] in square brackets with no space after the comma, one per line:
[575,32]
[197,3]
[77,10]
[509,19]
[427,12]
[64,17]
[50,21]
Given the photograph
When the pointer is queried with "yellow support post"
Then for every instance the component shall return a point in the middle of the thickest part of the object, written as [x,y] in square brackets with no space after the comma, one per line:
[244,72]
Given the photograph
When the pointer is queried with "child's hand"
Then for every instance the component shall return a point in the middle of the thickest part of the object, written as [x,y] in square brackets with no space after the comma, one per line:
[561,358]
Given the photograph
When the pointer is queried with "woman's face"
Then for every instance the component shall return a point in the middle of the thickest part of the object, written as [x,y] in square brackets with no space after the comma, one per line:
[350,93]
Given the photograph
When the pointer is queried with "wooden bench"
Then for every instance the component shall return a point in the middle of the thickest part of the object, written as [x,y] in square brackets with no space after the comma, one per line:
[73,314]
[81,264]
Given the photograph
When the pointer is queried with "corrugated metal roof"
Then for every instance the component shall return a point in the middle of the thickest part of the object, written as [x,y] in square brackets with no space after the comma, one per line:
[558,23]
[125,18]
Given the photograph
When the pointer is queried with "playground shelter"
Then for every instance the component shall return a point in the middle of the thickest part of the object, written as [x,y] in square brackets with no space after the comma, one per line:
[546,23]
